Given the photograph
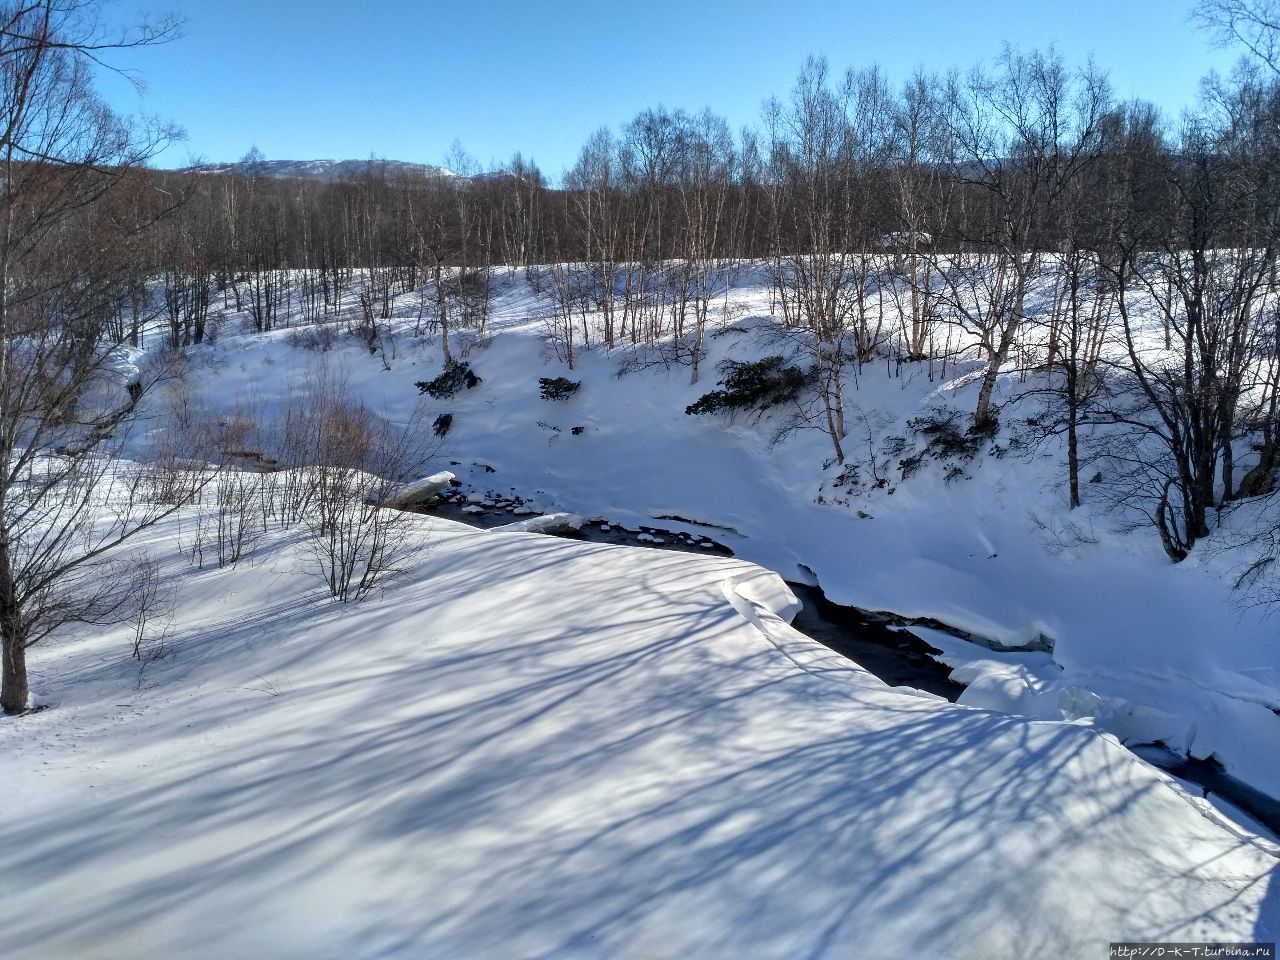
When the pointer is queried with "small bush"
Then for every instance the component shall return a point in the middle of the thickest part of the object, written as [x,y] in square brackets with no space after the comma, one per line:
[457,375]
[442,424]
[988,427]
[946,439]
[909,465]
[848,478]
[557,388]
[752,386]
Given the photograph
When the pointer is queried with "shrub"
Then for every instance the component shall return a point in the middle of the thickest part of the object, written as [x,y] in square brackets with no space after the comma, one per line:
[946,439]
[457,375]
[320,337]
[752,386]
[359,540]
[442,424]
[557,388]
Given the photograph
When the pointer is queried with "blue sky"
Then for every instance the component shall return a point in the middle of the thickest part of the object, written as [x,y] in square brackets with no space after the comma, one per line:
[305,79]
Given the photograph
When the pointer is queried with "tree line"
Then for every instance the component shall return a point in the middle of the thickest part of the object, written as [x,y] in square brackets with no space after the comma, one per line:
[908,220]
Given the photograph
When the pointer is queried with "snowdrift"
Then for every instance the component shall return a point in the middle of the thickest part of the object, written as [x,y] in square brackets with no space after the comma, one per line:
[535,747]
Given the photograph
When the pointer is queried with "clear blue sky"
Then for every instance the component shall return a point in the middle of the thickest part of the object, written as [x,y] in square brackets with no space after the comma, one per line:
[306,79]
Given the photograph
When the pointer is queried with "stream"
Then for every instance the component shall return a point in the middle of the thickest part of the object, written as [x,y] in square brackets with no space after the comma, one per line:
[890,652]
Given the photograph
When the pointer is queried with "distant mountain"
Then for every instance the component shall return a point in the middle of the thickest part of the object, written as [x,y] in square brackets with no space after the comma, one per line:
[321,169]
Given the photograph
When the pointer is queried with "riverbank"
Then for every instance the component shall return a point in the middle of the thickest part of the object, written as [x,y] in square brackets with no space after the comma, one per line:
[534,746]
[888,650]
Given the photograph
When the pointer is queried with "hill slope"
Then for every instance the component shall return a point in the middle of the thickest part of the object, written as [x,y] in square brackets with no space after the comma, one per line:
[1142,648]
[533,747]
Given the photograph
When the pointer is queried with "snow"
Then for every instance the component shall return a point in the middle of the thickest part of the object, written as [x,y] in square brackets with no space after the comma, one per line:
[550,523]
[425,489]
[995,554]
[324,170]
[534,747]
[539,747]
[1164,652]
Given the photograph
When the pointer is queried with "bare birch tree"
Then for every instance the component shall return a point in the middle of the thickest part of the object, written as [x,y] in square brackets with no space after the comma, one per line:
[66,256]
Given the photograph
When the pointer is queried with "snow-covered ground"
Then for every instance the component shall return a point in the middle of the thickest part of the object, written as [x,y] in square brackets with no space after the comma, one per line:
[534,747]
[1147,650]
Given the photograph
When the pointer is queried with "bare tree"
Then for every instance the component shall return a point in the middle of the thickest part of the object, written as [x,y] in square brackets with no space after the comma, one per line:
[922,195]
[357,538]
[67,254]
[152,606]
[1205,264]
[594,203]
[1021,136]
[1253,24]
[824,143]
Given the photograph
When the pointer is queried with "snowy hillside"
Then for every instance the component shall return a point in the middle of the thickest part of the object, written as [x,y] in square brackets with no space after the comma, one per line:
[851,534]
[532,747]
[1150,651]
[529,746]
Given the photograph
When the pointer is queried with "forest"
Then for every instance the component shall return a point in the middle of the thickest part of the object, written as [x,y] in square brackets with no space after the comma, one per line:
[915,225]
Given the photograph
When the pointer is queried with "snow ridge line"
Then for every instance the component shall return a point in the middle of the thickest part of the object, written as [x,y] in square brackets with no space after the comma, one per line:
[1201,804]
[769,625]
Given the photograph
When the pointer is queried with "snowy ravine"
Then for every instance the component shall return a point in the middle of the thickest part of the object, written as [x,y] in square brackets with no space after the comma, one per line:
[531,747]
[1144,649]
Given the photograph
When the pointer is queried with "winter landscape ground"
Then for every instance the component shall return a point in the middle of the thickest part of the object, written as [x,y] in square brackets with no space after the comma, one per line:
[1149,650]
[534,747]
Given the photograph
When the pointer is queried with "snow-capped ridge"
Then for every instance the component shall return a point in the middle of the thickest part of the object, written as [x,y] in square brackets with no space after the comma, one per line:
[324,170]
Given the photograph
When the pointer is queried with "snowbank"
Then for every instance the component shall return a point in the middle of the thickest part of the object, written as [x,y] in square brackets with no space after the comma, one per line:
[551,523]
[1140,647]
[540,747]
[425,489]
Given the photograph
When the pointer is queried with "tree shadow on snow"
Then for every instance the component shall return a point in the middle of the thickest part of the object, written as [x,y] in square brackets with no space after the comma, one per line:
[594,774]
